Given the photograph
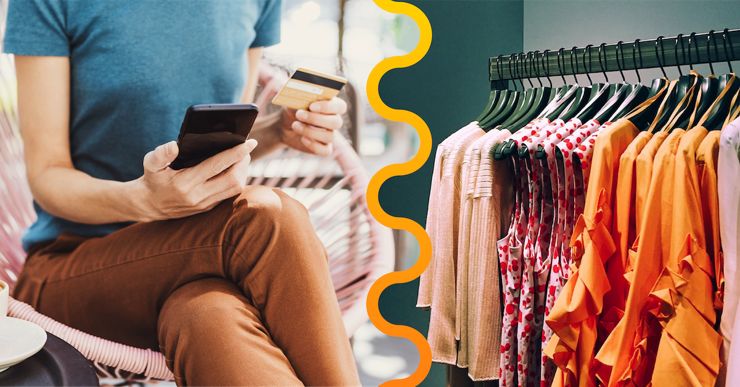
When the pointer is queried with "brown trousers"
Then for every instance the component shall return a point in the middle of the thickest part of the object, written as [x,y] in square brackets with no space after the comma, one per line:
[238,296]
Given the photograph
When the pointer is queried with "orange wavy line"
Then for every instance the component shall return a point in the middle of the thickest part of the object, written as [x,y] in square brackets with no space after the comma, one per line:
[425,137]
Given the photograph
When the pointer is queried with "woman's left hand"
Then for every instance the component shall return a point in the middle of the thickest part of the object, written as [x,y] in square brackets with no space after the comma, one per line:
[312,131]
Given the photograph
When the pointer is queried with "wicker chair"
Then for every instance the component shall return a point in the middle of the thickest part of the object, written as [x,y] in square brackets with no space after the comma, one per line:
[332,188]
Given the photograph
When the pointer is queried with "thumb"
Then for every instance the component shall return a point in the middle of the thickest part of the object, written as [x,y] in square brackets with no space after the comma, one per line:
[161,157]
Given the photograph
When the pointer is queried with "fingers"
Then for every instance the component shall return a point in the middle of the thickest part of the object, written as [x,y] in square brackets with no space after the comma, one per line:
[315,147]
[322,120]
[229,183]
[313,133]
[158,159]
[220,162]
[332,106]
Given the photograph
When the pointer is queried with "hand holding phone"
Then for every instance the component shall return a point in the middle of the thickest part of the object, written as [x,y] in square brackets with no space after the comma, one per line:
[211,129]
[169,194]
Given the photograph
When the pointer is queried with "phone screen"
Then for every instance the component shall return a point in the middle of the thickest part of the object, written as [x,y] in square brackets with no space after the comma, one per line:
[210,129]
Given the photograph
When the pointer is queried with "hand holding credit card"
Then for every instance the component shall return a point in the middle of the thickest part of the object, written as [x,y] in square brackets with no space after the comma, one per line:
[307,86]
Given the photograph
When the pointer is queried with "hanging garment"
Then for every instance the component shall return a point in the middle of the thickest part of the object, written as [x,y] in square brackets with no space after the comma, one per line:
[552,262]
[493,202]
[623,234]
[556,262]
[436,207]
[644,174]
[527,326]
[584,153]
[706,159]
[661,303]
[469,174]
[510,255]
[728,170]
[575,314]
[633,343]
[682,300]
[442,332]
[534,279]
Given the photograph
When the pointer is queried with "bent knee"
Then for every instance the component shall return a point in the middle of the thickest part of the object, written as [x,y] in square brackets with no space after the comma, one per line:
[196,303]
[270,206]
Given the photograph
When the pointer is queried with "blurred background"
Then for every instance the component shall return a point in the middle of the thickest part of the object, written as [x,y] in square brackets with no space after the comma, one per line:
[348,38]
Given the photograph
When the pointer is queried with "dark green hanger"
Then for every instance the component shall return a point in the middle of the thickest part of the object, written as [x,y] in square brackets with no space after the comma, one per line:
[512,97]
[717,116]
[542,98]
[527,101]
[492,98]
[572,92]
[511,148]
[637,93]
[708,88]
[582,97]
[501,150]
[724,78]
[684,84]
[658,83]
[496,99]
[606,100]
[642,120]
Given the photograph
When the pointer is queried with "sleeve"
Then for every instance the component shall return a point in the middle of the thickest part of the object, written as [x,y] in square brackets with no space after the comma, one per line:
[268,25]
[36,27]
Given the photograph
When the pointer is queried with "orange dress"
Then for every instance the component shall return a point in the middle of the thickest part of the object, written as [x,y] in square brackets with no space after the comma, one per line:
[633,337]
[666,336]
[575,315]
[624,234]
[643,173]
[682,300]
[706,159]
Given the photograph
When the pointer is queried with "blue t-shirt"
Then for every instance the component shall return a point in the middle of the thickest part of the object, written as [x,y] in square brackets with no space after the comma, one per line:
[136,66]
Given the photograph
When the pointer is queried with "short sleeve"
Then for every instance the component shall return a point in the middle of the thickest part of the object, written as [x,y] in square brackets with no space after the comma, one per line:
[36,27]
[268,25]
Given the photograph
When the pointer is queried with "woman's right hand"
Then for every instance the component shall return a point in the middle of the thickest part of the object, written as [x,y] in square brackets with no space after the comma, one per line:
[170,194]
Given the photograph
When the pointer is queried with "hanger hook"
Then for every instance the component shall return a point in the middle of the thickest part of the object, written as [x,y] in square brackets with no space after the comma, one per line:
[513,76]
[520,69]
[529,69]
[617,50]
[588,70]
[636,46]
[516,70]
[692,39]
[498,66]
[602,46]
[560,69]
[536,66]
[660,63]
[572,68]
[710,39]
[725,38]
[679,38]
[545,60]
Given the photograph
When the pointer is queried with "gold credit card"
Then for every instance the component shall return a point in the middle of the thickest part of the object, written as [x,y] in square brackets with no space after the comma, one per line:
[307,86]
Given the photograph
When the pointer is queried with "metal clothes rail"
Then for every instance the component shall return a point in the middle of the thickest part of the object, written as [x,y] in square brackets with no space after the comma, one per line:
[685,50]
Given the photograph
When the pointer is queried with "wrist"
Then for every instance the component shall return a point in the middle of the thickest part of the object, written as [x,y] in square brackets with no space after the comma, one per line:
[268,133]
[135,200]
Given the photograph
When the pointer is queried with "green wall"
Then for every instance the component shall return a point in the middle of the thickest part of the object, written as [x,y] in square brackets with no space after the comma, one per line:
[448,88]
[551,24]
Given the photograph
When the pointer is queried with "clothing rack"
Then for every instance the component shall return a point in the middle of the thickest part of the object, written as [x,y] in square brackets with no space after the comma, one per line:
[684,50]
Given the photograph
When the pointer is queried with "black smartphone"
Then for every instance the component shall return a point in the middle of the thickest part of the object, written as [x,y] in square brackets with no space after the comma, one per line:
[210,129]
